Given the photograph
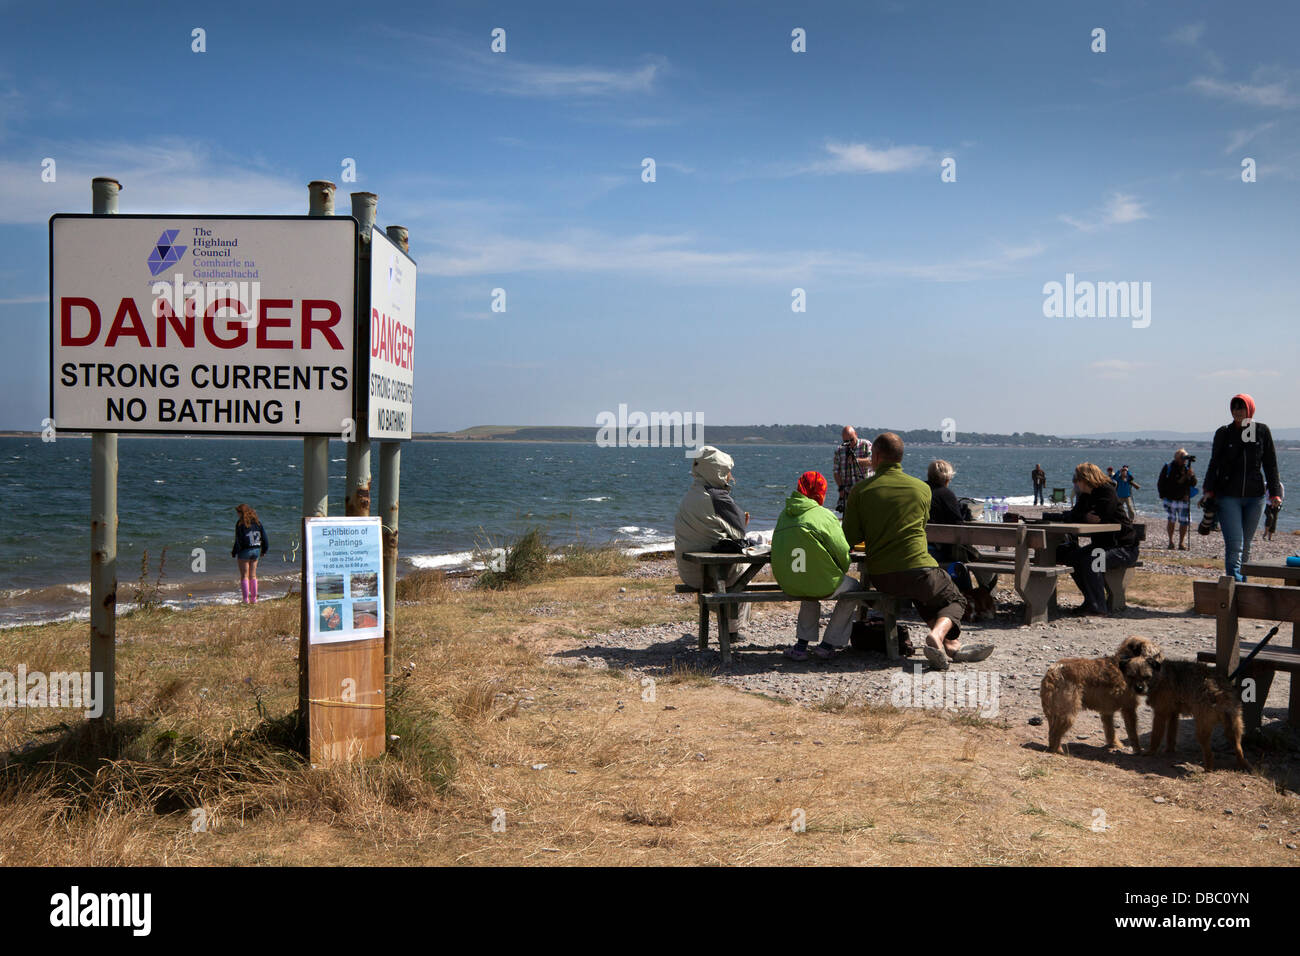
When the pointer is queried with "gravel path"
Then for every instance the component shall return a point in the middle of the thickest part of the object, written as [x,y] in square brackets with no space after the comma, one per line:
[1010,677]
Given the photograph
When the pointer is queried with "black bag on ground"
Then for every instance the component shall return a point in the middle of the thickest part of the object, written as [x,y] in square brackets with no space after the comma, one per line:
[869,637]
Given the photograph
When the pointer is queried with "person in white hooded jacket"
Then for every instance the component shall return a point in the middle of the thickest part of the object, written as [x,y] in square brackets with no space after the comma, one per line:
[708,519]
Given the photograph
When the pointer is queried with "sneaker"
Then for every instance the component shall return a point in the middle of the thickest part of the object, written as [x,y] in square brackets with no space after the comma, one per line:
[823,652]
[796,653]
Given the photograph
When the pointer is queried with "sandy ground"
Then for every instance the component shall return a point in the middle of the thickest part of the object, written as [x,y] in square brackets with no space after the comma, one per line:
[1011,676]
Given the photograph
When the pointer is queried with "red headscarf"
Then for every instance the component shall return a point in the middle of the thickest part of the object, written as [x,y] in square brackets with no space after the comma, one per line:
[1250,403]
[812,485]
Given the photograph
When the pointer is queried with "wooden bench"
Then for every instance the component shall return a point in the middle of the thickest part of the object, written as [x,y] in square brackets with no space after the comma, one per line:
[715,596]
[1230,602]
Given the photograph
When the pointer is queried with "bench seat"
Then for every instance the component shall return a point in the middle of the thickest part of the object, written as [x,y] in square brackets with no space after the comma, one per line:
[767,597]
[1279,658]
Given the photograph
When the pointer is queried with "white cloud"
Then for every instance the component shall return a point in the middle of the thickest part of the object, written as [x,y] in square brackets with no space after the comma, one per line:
[1119,208]
[1188,35]
[25,299]
[470,62]
[864,158]
[1241,137]
[679,257]
[1270,89]
[166,176]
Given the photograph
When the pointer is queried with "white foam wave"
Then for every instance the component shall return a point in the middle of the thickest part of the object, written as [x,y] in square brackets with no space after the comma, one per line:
[457,559]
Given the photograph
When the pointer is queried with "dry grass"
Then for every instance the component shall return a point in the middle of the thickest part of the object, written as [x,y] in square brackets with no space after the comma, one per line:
[703,774]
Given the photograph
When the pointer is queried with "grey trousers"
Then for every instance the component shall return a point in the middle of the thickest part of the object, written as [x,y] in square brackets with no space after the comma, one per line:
[841,622]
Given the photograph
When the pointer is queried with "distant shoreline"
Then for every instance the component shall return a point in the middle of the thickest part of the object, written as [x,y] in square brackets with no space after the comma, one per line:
[452,439]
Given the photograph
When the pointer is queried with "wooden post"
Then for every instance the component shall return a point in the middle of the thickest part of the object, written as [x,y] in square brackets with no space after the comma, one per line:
[357,500]
[103,525]
[1227,649]
[315,480]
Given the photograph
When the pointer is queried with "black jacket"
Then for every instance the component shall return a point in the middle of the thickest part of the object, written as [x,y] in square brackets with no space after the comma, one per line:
[944,507]
[250,537]
[1104,503]
[1175,482]
[1235,465]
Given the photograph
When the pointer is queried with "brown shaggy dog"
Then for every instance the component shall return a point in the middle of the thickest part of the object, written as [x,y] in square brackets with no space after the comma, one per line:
[1103,684]
[1187,687]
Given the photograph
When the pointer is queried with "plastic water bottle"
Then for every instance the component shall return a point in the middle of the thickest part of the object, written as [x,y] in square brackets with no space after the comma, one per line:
[988,509]
[1003,508]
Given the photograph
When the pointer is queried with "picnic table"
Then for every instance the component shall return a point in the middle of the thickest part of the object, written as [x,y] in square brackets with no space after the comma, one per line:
[715,594]
[1032,557]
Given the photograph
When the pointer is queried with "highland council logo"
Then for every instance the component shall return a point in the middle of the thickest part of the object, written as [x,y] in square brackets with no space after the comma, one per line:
[165,252]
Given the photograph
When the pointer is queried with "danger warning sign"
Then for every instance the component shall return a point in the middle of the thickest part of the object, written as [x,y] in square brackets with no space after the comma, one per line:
[229,325]
[390,384]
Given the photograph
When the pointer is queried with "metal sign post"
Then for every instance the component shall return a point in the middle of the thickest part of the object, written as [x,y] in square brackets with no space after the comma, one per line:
[357,500]
[390,473]
[103,524]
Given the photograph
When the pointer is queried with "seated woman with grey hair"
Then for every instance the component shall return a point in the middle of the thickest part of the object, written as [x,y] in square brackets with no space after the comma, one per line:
[945,509]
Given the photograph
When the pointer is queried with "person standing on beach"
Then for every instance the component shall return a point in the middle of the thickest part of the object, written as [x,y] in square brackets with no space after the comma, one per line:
[888,512]
[250,544]
[1124,485]
[1110,473]
[1242,468]
[852,463]
[1175,486]
[1039,478]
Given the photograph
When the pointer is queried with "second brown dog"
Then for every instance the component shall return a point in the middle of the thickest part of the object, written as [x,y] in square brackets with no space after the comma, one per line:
[1187,687]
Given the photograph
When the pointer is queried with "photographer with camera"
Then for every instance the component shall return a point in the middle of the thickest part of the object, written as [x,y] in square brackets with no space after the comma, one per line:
[1174,486]
[852,464]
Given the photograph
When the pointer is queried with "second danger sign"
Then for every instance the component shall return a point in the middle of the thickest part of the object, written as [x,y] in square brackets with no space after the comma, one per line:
[391,382]
[202,324]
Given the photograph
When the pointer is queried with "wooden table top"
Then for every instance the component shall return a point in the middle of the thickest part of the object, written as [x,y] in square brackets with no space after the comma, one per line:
[716,557]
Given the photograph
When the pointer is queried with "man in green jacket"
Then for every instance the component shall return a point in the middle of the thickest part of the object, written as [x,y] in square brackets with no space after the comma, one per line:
[809,558]
[888,512]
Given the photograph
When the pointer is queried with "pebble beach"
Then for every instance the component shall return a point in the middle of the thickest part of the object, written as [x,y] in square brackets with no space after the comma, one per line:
[1015,669]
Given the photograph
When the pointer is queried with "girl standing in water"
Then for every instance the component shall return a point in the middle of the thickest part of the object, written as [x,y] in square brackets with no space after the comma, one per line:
[250,544]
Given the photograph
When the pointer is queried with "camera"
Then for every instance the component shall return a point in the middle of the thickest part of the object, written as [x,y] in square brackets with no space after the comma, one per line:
[1189,459]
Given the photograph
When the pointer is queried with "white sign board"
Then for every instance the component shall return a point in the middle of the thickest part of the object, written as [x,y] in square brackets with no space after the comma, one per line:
[345,579]
[390,384]
[228,325]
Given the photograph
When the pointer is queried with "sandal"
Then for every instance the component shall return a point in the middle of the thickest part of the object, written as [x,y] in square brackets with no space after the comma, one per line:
[937,658]
[975,652]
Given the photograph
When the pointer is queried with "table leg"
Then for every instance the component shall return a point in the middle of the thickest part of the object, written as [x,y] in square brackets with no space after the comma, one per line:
[706,588]
[724,630]
[1293,702]
[1253,711]
[889,610]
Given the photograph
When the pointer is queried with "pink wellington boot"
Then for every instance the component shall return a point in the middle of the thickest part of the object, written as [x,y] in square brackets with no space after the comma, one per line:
[253,585]
[243,589]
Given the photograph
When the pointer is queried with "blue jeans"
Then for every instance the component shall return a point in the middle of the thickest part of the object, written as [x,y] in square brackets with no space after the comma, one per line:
[1238,519]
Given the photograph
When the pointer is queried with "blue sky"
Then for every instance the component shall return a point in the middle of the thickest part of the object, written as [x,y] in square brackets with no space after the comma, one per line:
[775,170]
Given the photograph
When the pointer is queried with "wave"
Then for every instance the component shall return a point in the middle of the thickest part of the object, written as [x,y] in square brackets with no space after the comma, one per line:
[601,498]
[457,559]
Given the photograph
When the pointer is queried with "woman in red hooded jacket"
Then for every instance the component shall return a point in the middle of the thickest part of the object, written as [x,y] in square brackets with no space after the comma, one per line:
[1243,467]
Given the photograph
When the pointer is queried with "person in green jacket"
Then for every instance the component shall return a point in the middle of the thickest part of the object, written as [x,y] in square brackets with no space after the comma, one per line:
[888,513]
[809,558]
